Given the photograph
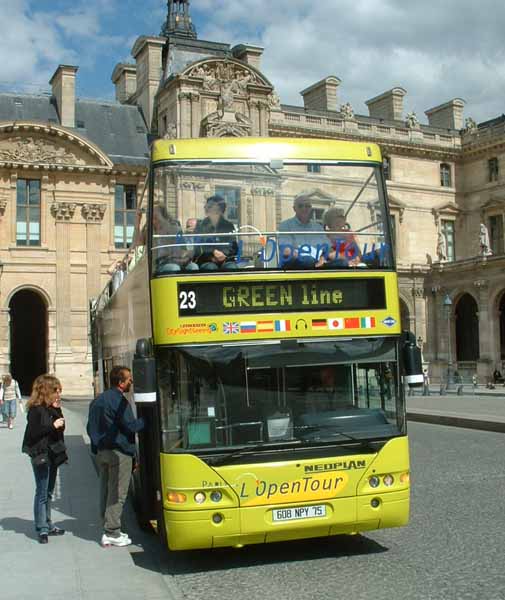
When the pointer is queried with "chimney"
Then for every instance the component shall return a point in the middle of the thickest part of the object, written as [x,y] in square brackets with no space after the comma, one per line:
[322,95]
[124,77]
[147,52]
[448,115]
[387,106]
[63,87]
[248,54]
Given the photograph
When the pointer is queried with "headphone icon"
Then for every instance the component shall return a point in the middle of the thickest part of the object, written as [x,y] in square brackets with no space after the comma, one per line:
[303,322]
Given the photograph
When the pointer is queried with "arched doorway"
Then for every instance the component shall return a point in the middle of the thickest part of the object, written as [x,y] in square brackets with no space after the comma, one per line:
[501,316]
[28,338]
[404,315]
[467,329]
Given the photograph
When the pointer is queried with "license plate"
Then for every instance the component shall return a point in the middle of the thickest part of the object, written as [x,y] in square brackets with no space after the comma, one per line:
[301,512]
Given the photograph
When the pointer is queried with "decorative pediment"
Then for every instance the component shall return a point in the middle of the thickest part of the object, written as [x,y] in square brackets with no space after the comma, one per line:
[448,209]
[216,73]
[494,204]
[49,147]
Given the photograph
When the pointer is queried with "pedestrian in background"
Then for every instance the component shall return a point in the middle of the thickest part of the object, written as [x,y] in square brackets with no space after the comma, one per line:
[111,429]
[426,383]
[10,395]
[44,443]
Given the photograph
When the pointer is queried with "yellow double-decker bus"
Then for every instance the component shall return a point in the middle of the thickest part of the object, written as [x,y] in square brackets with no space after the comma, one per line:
[259,310]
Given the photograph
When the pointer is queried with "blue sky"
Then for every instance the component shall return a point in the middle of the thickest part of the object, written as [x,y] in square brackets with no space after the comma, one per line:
[435,50]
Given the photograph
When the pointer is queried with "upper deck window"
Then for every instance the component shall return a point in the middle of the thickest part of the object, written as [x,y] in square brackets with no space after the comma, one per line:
[229,217]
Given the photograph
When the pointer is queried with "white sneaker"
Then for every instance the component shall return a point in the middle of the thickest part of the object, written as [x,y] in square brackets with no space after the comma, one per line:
[107,541]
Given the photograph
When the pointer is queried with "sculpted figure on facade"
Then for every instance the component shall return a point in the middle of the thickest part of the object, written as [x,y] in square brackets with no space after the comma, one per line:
[441,246]
[470,125]
[485,247]
[171,131]
[347,111]
[411,121]
[32,150]
[274,101]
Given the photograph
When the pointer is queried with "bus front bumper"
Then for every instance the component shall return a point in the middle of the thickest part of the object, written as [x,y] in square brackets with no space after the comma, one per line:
[188,530]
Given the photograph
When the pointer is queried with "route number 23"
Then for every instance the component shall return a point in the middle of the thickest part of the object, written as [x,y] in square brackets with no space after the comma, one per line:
[187,300]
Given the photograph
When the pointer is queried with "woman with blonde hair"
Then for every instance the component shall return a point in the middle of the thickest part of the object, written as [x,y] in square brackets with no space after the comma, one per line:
[43,442]
[10,395]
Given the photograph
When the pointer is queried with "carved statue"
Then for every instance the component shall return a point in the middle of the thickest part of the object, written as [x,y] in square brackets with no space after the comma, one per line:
[411,121]
[347,111]
[441,246]
[485,249]
[171,131]
[470,125]
[274,101]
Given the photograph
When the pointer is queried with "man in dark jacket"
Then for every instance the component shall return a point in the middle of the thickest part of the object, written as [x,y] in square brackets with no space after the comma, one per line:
[111,428]
[215,251]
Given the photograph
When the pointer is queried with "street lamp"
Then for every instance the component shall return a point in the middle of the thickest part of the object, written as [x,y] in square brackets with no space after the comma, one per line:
[447,306]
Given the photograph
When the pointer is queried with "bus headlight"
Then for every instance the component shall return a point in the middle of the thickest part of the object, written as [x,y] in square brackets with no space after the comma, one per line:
[388,480]
[200,497]
[374,481]
[216,496]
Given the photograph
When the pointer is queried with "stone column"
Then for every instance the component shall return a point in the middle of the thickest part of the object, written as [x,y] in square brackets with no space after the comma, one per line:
[184,126]
[196,114]
[486,331]
[93,216]
[63,213]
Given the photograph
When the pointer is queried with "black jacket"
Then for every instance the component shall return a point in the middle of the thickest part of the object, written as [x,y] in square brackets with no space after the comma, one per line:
[204,252]
[40,432]
[111,423]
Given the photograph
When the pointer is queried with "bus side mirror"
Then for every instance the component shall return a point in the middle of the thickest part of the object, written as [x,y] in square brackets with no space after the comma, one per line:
[412,361]
[144,373]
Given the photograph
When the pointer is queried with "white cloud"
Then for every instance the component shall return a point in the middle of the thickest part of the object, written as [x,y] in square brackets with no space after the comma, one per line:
[36,41]
[436,50]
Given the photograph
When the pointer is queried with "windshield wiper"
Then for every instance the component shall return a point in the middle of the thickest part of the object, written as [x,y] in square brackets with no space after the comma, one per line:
[248,450]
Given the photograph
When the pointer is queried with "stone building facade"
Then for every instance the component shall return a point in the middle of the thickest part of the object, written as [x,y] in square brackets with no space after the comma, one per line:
[445,182]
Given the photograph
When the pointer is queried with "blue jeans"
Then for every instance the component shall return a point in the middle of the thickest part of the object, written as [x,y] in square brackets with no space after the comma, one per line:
[45,480]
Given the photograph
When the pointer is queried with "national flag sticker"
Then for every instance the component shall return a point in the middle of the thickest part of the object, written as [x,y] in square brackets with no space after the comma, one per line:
[367,322]
[282,325]
[248,327]
[231,327]
[389,322]
[336,323]
[319,324]
[265,326]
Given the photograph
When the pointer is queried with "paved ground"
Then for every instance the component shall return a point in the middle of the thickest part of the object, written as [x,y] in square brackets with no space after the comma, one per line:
[453,548]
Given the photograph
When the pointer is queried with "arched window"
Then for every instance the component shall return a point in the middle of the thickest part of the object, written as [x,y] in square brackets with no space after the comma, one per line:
[467,329]
[445,175]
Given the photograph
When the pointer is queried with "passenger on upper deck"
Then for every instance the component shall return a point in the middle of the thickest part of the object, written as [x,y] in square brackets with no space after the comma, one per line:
[215,251]
[170,252]
[307,244]
[344,245]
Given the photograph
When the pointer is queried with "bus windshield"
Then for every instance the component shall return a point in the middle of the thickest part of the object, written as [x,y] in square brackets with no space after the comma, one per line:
[228,396]
[227,217]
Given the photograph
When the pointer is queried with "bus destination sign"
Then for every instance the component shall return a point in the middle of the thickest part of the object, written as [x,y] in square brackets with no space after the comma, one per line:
[304,295]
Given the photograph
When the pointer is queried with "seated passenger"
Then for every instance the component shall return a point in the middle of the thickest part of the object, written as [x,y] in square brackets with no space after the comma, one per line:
[344,245]
[300,250]
[215,252]
[170,252]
